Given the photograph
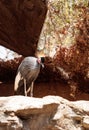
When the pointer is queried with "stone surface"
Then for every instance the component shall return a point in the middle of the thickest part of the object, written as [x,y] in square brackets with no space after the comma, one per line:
[86,122]
[21,22]
[47,113]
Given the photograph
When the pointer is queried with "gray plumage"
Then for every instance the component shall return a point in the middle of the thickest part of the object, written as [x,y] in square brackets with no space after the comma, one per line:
[27,73]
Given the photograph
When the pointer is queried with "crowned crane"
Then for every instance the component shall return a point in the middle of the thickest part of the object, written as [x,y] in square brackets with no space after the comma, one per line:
[27,73]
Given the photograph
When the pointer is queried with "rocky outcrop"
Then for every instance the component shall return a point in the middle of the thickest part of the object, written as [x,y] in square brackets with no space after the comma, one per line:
[20,24]
[8,69]
[47,113]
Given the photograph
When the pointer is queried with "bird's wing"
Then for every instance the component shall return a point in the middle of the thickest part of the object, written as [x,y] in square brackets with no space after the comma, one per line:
[27,66]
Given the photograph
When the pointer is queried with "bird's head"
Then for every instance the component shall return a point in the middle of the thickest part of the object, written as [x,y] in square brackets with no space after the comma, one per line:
[41,60]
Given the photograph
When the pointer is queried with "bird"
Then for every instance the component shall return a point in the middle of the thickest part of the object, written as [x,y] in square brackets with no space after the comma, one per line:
[27,73]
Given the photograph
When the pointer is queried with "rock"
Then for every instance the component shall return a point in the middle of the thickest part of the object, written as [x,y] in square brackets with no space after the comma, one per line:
[47,113]
[86,122]
[9,122]
[20,24]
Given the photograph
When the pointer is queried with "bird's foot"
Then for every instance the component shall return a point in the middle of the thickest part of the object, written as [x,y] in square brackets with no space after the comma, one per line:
[26,94]
[31,94]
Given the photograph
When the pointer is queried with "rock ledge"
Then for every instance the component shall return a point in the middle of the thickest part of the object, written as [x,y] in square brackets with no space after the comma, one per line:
[47,113]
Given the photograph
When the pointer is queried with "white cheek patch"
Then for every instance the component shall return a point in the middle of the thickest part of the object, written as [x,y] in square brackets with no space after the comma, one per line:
[17,79]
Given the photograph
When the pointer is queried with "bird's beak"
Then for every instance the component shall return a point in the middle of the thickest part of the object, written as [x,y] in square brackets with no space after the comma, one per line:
[42,65]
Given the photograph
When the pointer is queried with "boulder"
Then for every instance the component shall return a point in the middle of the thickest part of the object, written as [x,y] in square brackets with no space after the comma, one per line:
[47,113]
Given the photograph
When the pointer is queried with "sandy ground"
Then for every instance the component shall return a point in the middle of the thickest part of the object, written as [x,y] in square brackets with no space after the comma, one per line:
[44,89]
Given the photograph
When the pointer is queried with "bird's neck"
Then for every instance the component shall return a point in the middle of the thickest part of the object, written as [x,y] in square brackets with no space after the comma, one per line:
[39,60]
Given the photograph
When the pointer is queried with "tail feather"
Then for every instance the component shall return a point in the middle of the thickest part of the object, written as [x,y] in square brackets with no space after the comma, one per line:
[17,79]
[18,85]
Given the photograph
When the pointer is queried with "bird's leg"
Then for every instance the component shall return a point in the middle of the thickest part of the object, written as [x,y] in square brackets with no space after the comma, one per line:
[28,89]
[31,91]
[25,87]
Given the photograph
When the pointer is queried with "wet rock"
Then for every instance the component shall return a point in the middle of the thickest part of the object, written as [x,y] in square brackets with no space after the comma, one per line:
[47,113]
